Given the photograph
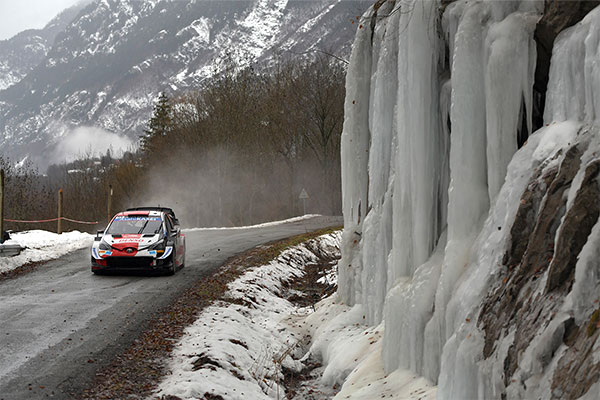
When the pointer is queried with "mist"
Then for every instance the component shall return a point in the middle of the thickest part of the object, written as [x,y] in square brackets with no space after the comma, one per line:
[89,142]
[240,150]
[220,187]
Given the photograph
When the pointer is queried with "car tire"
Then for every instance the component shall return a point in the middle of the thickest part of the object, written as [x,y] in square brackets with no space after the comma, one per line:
[172,268]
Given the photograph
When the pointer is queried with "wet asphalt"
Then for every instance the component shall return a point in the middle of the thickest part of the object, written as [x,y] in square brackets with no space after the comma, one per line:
[60,323]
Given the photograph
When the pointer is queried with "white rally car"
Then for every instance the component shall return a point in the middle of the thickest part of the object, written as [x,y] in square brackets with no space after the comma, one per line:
[141,239]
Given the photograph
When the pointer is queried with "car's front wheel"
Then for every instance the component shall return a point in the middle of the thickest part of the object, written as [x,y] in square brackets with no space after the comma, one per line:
[172,268]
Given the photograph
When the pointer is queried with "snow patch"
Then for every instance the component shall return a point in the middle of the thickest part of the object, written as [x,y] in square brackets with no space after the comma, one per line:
[43,246]
[263,225]
[237,349]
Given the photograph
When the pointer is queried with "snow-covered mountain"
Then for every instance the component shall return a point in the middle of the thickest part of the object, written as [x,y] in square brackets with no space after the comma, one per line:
[107,65]
[24,51]
[471,234]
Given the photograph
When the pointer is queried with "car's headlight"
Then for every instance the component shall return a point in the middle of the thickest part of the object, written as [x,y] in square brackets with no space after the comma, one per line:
[160,245]
[103,245]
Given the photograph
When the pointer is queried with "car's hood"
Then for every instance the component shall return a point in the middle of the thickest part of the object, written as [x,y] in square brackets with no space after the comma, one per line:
[121,242]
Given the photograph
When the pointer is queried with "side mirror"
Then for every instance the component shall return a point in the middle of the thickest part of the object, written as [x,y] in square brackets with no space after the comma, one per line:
[98,236]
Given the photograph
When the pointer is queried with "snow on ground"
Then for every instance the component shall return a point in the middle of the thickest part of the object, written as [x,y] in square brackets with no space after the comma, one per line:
[351,354]
[263,225]
[237,348]
[42,246]
[240,348]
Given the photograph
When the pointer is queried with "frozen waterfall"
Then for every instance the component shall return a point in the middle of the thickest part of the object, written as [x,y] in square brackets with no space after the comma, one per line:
[431,182]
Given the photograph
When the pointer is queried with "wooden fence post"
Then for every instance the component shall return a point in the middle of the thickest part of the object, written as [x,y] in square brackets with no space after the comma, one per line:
[1,206]
[60,210]
[110,194]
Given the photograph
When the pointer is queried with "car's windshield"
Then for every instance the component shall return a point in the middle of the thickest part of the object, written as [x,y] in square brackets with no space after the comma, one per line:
[125,225]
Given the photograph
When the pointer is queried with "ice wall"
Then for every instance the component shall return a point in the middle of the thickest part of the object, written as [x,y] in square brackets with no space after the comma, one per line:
[574,89]
[431,181]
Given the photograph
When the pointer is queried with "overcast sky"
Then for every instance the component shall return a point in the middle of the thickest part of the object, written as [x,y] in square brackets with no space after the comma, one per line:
[18,15]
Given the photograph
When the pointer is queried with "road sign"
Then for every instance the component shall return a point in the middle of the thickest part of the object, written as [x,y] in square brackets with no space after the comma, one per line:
[303,197]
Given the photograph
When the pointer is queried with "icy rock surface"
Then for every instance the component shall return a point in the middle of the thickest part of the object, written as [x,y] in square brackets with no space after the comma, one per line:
[443,216]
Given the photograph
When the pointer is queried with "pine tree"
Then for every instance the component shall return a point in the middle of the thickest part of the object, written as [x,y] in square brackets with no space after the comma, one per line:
[159,126]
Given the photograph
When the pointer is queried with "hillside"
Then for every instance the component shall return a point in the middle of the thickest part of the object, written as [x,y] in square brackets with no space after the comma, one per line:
[108,64]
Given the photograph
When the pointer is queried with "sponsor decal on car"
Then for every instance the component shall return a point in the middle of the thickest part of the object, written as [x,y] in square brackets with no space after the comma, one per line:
[128,240]
[168,251]
[137,218]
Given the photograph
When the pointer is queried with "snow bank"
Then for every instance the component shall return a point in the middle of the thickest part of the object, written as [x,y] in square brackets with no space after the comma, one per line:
[432,181]
[263,225]
[236,349]
[351,354]
[43,246]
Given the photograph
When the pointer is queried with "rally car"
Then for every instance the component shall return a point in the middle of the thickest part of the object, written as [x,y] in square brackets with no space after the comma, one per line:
[142,239]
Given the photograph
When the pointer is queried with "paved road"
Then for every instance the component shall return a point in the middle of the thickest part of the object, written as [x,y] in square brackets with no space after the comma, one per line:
[60,323]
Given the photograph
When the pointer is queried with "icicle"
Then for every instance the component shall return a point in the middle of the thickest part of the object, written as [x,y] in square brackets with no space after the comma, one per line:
[376,228]
[418,130]
[419,163]
[509,76]
[574,86]
[354,158]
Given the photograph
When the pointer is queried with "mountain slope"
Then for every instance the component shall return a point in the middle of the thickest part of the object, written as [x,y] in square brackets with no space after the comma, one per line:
[108,65]
[24,51]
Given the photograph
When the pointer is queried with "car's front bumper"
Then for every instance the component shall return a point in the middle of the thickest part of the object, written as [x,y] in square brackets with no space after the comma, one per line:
[131,264]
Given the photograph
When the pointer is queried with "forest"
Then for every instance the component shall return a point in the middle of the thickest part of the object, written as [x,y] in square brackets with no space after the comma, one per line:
[238,150]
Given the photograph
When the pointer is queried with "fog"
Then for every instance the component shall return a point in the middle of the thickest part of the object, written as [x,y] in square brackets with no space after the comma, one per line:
[219,187]
[87,142]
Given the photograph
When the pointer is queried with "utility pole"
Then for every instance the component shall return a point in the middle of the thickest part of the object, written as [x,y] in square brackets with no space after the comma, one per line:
[1,206]
[110,194]
[60,210]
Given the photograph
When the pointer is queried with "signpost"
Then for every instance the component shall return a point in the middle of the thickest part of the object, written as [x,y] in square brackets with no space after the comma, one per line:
[303,197]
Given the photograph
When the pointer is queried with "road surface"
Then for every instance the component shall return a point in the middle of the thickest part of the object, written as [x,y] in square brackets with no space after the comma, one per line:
[60,323]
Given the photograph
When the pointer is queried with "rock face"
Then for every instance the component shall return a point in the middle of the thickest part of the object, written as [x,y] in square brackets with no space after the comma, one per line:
[475,238]
[538,272]
[107,65]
